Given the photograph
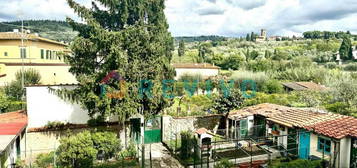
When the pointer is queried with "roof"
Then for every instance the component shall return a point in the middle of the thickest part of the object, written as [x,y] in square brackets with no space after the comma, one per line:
[33,37]
[307,118]
[304,86]
[195,66]
[11,126]
[339,128]
[12,123]
[201,131]
[5,140]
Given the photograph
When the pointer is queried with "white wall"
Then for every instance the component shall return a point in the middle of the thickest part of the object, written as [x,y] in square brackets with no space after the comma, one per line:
[192,71]
[43,106]
[345,152]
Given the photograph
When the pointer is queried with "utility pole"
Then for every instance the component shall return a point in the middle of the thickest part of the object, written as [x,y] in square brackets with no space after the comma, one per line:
[22,54]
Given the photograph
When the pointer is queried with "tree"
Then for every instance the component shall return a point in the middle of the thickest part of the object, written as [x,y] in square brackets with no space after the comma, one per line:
[129,38]
[227,102]
[247,38]
[203,51]
[252,37]
[346,49]
[181,49]
[14,89]
[233,62]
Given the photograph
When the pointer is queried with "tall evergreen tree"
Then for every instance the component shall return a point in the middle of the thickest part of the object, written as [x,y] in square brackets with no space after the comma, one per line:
[130,38]
[247,38]
[252,37]
[346,49]
[181,49]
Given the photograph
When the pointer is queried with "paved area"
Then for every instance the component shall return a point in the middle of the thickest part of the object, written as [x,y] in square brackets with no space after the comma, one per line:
[160,157]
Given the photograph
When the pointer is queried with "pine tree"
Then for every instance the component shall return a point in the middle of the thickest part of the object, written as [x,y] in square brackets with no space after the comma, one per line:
[181,49]
[346,49]
[130,38]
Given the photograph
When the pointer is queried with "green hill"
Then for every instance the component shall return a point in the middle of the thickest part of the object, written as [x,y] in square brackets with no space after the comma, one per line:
[55,30]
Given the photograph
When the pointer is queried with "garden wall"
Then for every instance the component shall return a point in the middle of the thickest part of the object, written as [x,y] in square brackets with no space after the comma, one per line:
[172,126]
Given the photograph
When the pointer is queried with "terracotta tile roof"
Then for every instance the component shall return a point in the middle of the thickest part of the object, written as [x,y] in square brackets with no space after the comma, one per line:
[339,128]
[304,86]
[287,116]
[33,37]
[201,131]
[195,66]
[12,123]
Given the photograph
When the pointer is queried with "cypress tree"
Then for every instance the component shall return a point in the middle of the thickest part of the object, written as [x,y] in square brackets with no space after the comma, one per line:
[130,38]
[247,38]
[181,49]
[346,49]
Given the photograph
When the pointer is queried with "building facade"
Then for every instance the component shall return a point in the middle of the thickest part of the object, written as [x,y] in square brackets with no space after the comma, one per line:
[24,51]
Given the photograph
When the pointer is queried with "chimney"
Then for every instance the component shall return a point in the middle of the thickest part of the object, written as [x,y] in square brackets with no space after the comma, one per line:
[16,30]
[28,31]
[37,35]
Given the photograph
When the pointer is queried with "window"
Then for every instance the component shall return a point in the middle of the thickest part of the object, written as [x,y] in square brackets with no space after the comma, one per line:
[42,54]
[47,54]
[5,54]
[23,52]
[324,145]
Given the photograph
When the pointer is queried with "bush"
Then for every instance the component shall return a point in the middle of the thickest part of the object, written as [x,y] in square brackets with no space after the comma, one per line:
[77,151]
[338,107]
[106,143]
[188,143]
[129,152]
[224,163]
[272,86]
[45,160]
[55,125]
[258,77]
[280,99]
[298,164]
[351,67]
[331,65]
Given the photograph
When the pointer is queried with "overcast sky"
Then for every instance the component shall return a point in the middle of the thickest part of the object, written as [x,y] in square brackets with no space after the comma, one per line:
[219,17]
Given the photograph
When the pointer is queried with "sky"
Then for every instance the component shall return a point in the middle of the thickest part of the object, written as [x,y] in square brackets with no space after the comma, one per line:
[231,18]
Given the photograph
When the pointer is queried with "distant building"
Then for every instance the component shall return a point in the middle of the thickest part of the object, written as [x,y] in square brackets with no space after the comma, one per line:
[263,36]
[12,131]
[36,52]
[301,86]
[204,70]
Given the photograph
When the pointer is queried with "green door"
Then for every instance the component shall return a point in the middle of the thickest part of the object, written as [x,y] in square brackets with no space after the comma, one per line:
[243,128]
[152,132]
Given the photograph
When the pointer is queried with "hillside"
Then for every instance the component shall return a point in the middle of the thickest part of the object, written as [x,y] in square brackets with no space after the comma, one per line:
[55,30]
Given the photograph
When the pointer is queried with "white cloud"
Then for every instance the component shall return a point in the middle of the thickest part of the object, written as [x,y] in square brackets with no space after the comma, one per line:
[218,17]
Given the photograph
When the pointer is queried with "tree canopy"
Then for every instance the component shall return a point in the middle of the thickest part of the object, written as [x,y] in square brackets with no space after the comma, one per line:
[130,38]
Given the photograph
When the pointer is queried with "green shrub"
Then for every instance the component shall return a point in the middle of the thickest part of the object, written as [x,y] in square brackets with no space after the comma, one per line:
[106,143]
[351,67]
[129,152]
[77,151]
[338,107]
[331,65]
[280,99]
[45,160]
[272,86]
[55,125]
[298,164]
[188,143]
[224,163]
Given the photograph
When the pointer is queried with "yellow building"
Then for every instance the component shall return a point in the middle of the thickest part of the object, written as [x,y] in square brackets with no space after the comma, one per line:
[34,52]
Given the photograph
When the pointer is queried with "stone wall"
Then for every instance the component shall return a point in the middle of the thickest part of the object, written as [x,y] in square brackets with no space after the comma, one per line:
[172,126]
